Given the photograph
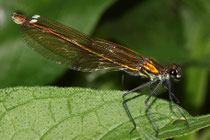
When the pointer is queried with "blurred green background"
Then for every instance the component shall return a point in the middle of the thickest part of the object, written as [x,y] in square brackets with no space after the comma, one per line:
[171,31]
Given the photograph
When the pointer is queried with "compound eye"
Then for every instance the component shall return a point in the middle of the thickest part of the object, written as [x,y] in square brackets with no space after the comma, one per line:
[175,72]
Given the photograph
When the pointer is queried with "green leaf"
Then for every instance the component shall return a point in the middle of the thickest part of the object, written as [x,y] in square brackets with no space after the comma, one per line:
[22,66]
[76,113]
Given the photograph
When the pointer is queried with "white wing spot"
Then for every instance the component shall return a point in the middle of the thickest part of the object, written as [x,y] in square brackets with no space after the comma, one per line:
[111,51]
[74,41]
[33,21]
[36,16]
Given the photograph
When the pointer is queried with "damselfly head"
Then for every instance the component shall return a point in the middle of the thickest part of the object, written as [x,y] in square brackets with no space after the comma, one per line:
[175,72]
[19,19]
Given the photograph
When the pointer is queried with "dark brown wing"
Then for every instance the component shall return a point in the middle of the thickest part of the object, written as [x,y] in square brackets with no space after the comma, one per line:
[76,50]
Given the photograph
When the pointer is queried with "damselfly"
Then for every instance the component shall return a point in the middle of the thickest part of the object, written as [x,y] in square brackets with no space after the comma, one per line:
[77,51]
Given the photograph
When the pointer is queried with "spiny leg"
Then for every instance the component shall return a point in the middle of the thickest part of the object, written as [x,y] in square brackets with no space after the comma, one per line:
[171,99]
[152,93]
[125,102]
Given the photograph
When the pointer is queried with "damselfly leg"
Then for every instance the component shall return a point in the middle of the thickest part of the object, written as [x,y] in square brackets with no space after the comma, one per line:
[171,99]
[171,96]
[125,101]
[152,93]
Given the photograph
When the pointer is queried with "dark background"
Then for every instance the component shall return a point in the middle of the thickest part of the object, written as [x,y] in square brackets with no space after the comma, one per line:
[170,31]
